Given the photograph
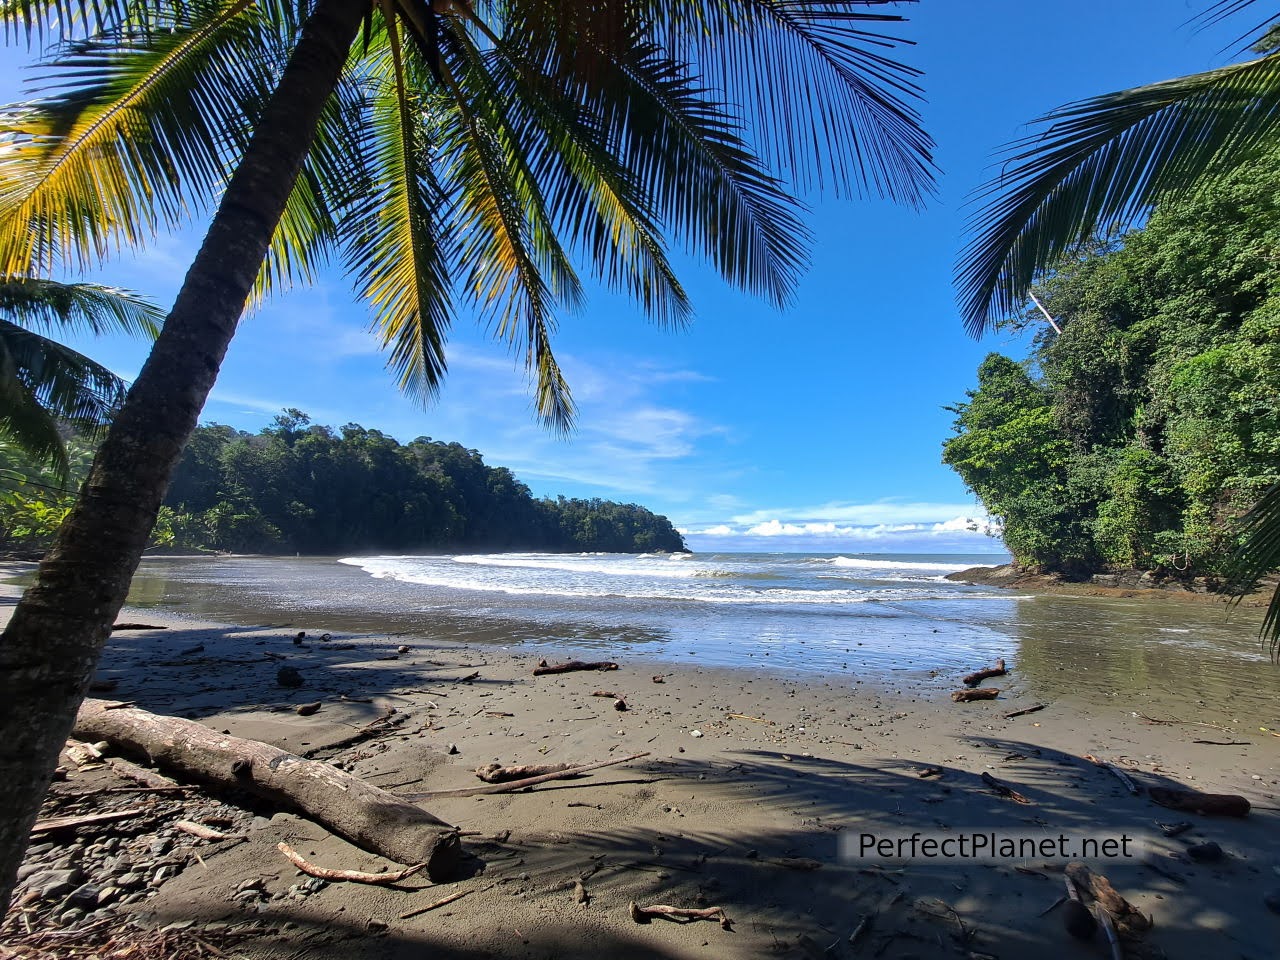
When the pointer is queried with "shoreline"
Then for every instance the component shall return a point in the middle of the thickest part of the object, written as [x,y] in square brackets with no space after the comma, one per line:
[786,765]
[1123,584]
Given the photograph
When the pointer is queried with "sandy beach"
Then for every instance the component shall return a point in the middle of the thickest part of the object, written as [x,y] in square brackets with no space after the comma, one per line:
[751,783]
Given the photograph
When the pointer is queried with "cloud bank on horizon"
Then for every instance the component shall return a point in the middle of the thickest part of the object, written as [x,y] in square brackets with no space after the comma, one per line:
[883,526]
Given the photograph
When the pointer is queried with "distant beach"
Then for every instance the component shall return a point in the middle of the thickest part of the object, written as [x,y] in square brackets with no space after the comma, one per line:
[779,727]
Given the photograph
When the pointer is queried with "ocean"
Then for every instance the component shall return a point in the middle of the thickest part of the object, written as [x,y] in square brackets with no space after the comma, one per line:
[855,617]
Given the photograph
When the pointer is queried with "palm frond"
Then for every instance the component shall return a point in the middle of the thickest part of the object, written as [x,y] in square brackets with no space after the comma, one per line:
[48,305]
[130,135]
[1102,163]
[398,234]
[1258,555]
[24,422]
[514,266]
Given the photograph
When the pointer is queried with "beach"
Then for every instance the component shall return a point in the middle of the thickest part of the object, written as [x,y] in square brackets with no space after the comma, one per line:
[757,783]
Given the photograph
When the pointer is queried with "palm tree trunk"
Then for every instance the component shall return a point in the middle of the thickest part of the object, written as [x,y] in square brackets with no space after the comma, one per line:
[51,646]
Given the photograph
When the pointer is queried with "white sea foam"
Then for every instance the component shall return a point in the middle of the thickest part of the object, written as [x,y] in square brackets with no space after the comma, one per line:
[646,578]
[860,563]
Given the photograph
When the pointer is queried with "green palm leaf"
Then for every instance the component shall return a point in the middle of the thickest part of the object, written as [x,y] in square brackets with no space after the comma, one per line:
[135,131]
[47,305]
[1258,555]
[1103,163]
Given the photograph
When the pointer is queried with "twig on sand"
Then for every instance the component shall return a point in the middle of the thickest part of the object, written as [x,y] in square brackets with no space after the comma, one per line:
[443,901]
[1024,711]
[743,716]
[644,914]
[206,833]
[1119,774]
[496,773]
[71,823]
[1003,789]
[519,784]
[351,876]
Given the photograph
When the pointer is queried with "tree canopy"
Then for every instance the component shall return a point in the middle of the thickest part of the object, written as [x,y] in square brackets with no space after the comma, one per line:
[1141,434]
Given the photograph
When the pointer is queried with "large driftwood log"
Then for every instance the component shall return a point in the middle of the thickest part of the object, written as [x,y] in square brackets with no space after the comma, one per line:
[369,817]
[569,667]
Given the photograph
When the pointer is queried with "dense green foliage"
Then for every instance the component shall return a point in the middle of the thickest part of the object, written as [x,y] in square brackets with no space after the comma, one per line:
[1140,435]
[299,487]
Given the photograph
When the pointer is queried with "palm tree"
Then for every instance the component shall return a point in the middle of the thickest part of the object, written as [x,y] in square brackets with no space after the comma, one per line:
[44,383]
[456,154]
[1099,165]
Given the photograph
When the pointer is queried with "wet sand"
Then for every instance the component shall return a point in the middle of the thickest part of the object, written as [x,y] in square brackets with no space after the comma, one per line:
[722,818]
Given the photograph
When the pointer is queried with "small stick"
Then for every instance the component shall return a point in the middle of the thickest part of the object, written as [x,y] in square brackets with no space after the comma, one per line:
[519,784]
[1224,743]
[1003,789]
[439,903]
[743,716]
[148,778]
[496,773]
[1117,772]
[863,927]
[645,914]
[70,823]
[206,833]
[352,876]
[1025,710]
[975,678]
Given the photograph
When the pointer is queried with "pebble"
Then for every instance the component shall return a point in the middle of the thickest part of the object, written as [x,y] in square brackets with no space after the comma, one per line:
[695,733]
[453,748]
[84,897]
[161,846]
[130,880]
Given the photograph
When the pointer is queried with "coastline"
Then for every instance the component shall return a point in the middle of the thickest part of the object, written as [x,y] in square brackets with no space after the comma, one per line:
[1124,584]
[701,821]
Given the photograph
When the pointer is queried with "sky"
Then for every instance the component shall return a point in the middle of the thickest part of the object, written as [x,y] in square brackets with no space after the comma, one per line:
[815,429]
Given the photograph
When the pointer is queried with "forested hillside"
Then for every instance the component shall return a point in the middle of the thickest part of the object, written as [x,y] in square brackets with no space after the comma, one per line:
[299,487]
[1139,435]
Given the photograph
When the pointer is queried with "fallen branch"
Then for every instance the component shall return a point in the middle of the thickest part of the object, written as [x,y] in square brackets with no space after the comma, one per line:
[368,816]
[645,914]
[1003,789]
[496,773]
[206,833]
[1192,801]
[53,824]
[975,678]
[1025,710]
[570,666]
[518,784]
[1076,918]
[1127,917]
[137,626]
[350,876]
[743,716]
[981,693]
[1119,774]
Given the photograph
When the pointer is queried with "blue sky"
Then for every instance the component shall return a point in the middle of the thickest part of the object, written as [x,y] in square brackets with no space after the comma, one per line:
[815,429]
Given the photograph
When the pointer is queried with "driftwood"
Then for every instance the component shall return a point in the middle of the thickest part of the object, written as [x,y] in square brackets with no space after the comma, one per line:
[519,784]
[644,914]
[496,773]
[569,667]
[366,815]
[137,626]
[349,876]
[975,678]
[981,693]
[1116,772]
[307,709]
[148,778]
[1077,919]
[206,833]
[53,824]
[1129,920]
[1003,789]
[1217,804]
[1024,711]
